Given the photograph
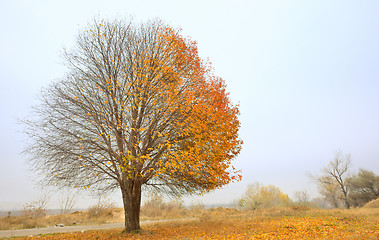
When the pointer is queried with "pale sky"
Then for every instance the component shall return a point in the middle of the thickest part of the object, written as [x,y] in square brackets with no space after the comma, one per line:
[305,73]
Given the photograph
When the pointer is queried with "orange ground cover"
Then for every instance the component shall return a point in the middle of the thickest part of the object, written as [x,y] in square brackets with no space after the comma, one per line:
[254,227]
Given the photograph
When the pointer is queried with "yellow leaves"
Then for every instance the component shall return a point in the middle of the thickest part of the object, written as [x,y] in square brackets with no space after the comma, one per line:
[108,163]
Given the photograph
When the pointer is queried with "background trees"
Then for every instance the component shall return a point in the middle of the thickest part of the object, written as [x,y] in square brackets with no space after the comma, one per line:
[137,108]
[338,185]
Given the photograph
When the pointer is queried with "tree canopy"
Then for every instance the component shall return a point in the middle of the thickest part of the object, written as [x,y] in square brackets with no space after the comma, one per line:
[364,187]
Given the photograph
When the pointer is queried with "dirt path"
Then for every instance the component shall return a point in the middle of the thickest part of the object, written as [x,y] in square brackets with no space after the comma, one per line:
[54,229]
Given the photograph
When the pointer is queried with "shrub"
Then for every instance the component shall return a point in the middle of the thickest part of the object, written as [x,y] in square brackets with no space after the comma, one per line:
[35,209]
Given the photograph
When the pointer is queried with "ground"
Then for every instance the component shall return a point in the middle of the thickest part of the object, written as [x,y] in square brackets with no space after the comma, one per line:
[274,223]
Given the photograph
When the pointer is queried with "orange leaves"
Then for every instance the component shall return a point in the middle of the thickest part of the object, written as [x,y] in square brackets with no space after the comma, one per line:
[213,127]
[231,224]
[206,122]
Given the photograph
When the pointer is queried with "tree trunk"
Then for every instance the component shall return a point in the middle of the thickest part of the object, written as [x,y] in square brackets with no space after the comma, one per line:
[346,199]
[347,202]
[131,196]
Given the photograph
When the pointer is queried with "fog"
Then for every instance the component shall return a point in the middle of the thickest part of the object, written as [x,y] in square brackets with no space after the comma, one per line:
[305,74]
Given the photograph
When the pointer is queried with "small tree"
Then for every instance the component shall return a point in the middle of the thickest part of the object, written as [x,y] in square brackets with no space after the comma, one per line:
[138,108]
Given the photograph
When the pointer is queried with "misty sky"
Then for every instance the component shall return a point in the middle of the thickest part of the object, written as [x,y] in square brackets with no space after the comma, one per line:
[305,73]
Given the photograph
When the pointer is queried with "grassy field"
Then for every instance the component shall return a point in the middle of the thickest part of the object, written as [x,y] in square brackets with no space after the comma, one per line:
[273,223]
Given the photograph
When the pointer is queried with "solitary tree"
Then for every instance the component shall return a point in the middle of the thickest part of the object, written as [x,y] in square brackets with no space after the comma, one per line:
[137,108]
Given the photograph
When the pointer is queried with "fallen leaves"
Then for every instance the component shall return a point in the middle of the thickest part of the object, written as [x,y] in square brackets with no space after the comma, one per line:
[246,227]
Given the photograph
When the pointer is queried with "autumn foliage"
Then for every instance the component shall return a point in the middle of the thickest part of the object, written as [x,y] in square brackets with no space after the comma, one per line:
[138,107]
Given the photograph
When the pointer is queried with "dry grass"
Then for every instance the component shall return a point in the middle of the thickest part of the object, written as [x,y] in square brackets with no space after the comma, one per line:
[100,214]
[209,218]
[96,215]
[372,204]
[76,218]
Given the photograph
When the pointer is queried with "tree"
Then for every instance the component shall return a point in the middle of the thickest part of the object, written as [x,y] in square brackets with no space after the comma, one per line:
[364,187]
[302,196]
[251,199]
[333,183]
[259,196]
[137,108]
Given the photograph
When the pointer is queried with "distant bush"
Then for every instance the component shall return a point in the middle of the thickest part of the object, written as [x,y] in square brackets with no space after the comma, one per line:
[259,196]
